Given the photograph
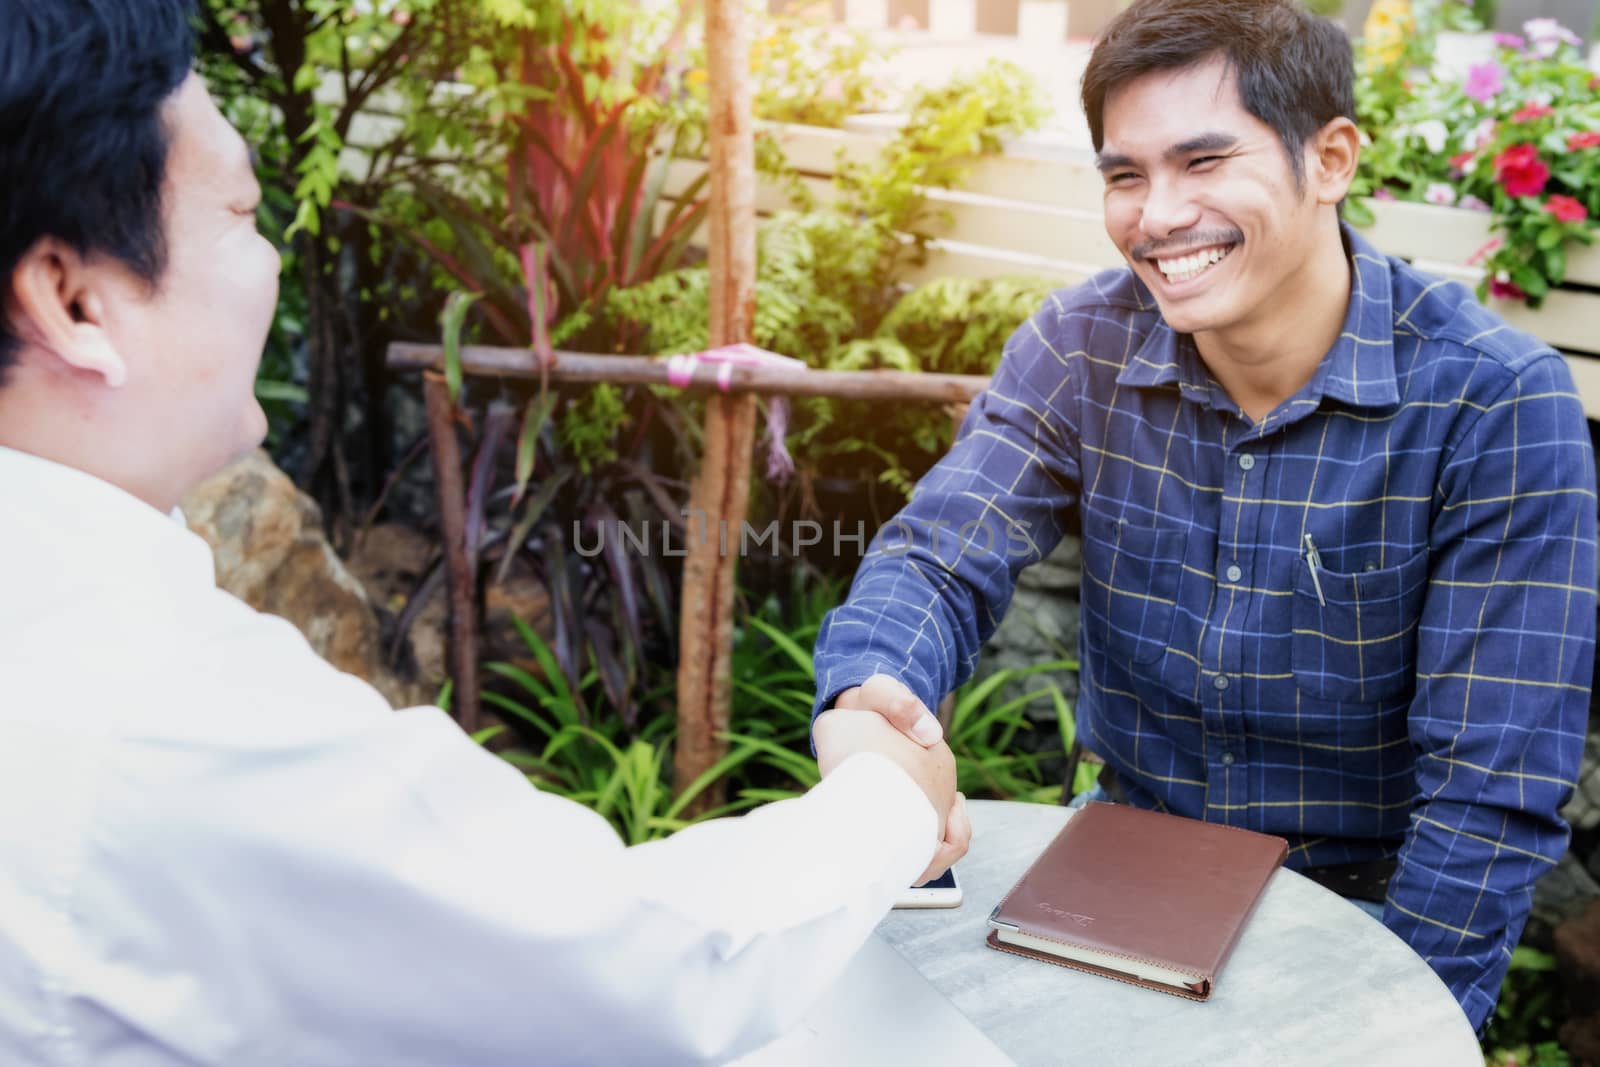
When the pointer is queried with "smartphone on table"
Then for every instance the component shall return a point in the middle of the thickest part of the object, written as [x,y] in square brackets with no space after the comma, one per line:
[942,892]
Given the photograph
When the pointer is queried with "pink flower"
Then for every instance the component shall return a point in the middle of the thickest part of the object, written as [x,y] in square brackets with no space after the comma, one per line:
[1506,290]
[1508,40]
[1462,160]
[832,88]
[1472,203]
[1441,193]
[1479,135]
[1520,171]
[1565,208]
[1477,257]
[1579,141]
[1546,36]
[1533,111]
[1382,193]
[1484,81]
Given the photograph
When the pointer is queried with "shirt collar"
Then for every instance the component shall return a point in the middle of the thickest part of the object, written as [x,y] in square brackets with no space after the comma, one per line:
[70,528]
[1358,370]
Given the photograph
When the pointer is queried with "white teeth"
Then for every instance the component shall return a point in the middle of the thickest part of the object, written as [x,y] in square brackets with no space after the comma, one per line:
[1185,267]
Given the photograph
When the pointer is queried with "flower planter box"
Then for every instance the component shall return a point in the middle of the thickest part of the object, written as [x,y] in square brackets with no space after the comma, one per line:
[1036,210]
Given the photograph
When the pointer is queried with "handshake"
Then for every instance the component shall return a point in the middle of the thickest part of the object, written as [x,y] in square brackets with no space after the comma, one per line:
[881,715]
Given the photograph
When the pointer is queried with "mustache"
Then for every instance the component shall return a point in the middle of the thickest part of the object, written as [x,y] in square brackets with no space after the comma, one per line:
[1176,246]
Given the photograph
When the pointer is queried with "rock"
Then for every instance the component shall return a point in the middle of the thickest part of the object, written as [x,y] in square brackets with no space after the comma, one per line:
[390,560]
[1577,950]
[520,596]
[1583,810]
[270,552]
[1560,895]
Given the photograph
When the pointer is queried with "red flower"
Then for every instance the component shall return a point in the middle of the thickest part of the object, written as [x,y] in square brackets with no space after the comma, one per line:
[1520,171]
[1582,140]
[1506,290]
[1533,111]
[1565,208]
[1461,159]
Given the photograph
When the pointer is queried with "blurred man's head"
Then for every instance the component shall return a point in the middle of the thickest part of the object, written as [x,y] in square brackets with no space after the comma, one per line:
[137,293]
[1225,134]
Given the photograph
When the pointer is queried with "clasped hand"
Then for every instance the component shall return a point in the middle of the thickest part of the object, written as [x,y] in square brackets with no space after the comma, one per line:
[881,715]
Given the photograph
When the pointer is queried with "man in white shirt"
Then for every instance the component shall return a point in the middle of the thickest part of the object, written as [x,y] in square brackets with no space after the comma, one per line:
[216,849]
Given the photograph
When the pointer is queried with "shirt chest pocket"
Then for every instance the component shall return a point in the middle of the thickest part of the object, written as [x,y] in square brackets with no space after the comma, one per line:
[1131,575]
[1357,642]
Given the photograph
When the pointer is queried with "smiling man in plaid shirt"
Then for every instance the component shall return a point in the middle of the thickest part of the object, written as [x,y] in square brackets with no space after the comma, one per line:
[1338,520]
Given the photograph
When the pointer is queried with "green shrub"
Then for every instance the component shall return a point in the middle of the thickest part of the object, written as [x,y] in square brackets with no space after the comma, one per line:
[960,325]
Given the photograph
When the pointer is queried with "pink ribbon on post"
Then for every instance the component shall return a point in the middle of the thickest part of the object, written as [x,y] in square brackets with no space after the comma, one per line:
[680,374]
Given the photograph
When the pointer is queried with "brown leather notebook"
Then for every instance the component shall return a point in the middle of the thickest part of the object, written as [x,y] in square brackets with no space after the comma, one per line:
[1150,899]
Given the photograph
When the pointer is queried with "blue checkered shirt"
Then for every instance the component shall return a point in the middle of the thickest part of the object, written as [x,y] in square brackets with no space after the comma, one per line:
[1422,693]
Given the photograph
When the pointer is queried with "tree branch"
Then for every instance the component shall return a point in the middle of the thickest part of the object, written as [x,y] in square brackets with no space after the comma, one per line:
[376,75]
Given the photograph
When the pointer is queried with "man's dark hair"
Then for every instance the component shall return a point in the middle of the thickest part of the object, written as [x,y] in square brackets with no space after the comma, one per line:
[83,142]
[1295,70]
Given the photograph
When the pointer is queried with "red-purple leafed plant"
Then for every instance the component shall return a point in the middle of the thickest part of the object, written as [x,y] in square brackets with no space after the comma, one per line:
[583,212]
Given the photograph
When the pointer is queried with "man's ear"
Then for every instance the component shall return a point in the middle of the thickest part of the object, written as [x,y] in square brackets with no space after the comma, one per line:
[1331,158]
[57,306]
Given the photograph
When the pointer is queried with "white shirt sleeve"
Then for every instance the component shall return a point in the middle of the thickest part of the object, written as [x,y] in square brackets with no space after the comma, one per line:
[390,894]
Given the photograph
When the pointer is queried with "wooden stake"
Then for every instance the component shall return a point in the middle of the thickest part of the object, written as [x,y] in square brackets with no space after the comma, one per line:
[721,490]
[451,494]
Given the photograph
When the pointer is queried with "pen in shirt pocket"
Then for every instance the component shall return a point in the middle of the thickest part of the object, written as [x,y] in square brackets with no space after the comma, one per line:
[1314,561]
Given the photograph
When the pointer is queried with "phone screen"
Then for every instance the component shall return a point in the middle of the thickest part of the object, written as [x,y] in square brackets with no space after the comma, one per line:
[947,880]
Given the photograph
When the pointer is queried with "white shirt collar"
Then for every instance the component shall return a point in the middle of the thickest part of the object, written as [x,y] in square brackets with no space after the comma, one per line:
[66,519]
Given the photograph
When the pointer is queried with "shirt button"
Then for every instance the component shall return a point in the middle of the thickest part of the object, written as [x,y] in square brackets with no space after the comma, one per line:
[1220,681]
[1246,461]
[1234,573]
[1227,759]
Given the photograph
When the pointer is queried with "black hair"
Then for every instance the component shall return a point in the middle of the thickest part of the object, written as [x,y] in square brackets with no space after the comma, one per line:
[83,138]
[1295,70]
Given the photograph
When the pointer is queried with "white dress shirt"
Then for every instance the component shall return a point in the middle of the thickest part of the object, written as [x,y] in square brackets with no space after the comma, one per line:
[217,849]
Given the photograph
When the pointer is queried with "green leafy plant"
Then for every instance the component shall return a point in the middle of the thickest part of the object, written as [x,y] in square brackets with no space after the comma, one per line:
[774,687]
[594,760]
[984,729]
[809,69]
[598,535]
[583,142]
[774,684]
[300,78]
[571,744]
[960,325]
[829,276]
[1523,1029]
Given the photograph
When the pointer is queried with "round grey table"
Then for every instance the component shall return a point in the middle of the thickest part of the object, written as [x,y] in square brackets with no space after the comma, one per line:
[1313,979]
